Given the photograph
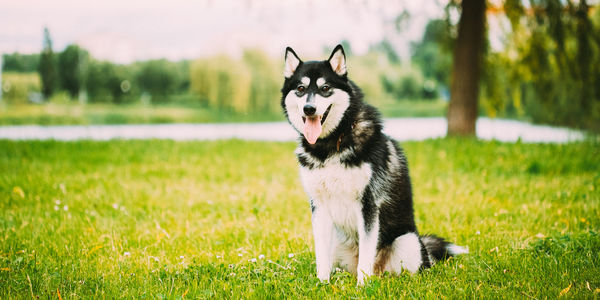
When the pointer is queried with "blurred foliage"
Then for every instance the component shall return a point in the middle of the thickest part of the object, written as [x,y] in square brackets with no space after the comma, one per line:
[47,68]
[433,54]
[162,78]
[17,62]
[265,81]
[70,72]
[550,67]
[408,83]
[221,82]
[388,49]
[562,55]
[369,71]
[107,82]
[246,85]
[19,87]
[548,70]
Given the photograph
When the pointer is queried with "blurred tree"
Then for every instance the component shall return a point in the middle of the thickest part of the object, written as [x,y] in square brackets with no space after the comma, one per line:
[433,54]
[466,68]
[107,82]
[47,67]
[550,67]
[24,63]
[158,78]
[264,82]
[221,83]
[562,53]
[409,88]
[69,69]
[386,47]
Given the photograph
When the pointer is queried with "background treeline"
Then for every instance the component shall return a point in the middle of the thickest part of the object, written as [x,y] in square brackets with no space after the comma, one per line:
[80,77]
[249,84]
[547,71]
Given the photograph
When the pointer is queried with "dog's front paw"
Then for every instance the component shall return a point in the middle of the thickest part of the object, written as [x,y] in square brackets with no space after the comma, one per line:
[323,277]
[362,278]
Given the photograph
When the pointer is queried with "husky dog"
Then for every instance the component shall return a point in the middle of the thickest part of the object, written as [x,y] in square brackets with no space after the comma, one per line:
[355,176]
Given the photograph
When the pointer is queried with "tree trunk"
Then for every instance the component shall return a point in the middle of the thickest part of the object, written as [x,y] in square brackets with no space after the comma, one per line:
[464,90]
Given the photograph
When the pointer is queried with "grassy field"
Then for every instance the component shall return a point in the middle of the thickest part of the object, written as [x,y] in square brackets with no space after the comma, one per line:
[76,114]
[229,219]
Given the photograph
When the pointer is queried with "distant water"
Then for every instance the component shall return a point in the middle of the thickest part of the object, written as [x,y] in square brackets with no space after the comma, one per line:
[402,129]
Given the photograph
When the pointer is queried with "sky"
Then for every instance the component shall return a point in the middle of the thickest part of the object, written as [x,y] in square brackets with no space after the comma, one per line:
[128,30]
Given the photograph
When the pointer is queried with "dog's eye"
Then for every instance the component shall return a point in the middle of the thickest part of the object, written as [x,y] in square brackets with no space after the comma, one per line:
[300,89]
[325,88]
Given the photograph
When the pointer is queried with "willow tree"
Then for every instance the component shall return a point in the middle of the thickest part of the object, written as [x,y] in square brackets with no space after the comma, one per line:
[549,67]
[561,51]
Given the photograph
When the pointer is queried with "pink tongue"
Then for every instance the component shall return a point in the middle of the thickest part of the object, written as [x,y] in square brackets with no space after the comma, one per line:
[312,129]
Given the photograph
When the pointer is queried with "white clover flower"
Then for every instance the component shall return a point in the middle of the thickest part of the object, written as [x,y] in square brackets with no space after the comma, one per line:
[115,206]
[66,207]
[57,202]
[252,260]
[127,253]
[262,256]
[291,255]
[56,207]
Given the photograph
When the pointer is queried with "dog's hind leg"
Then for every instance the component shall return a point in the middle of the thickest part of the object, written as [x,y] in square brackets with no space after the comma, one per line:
[405,253]
[346,256]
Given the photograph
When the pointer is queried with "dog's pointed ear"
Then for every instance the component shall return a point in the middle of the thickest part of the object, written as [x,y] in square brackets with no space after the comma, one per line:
[291,62]
[337,60]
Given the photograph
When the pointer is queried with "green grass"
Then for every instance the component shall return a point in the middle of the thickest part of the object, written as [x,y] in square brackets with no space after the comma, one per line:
[163,219]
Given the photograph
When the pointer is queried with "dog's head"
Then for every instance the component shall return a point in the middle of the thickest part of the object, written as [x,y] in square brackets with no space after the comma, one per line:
[315,94]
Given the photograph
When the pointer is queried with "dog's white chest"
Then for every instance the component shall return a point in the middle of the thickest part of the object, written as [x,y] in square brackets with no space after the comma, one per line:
[337,189]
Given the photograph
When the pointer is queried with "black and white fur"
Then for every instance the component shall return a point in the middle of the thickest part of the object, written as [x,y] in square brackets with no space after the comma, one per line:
[355,176]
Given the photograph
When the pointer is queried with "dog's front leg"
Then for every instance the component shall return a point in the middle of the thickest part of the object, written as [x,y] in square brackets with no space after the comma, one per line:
[324,251]
[368,233]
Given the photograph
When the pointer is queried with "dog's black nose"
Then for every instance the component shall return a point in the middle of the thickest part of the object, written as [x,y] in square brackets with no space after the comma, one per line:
[309,109]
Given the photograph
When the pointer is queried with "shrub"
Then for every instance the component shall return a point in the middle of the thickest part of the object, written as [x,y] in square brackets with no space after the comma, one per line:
[161,78]
[107,82]
[18,87]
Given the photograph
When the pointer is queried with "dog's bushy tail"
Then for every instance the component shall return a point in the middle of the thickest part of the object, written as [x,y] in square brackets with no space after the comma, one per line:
[440,249]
